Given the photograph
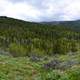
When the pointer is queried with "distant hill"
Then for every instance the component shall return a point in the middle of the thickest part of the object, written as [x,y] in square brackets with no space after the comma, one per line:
[70,24]
[63,22]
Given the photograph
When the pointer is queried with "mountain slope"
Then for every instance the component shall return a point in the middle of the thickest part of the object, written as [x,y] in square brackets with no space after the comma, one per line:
[23,38]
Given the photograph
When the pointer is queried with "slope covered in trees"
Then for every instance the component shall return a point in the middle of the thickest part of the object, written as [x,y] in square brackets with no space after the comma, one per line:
[22,38]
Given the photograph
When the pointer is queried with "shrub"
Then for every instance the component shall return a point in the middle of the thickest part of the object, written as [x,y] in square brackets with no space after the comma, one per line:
[17,50]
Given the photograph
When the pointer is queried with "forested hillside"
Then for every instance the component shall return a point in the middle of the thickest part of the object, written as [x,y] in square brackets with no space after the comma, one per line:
[36,51]
[17,36]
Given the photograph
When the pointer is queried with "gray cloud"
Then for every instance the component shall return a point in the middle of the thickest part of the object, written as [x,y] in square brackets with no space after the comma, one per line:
[41,10]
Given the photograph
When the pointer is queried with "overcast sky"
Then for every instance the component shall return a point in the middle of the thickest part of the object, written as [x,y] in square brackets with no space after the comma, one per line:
[41,10]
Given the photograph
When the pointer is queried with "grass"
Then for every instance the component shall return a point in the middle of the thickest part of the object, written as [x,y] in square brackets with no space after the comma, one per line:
[22,68]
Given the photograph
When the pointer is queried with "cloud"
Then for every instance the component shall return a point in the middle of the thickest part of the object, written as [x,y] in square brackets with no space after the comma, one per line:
[19,10]
[72,11]
[41,10]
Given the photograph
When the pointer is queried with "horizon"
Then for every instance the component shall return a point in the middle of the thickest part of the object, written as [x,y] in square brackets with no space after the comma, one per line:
[40,21]
[41,11]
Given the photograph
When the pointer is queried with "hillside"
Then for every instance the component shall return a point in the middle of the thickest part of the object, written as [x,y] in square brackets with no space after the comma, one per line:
[36,51]
[36,38]
[70,24]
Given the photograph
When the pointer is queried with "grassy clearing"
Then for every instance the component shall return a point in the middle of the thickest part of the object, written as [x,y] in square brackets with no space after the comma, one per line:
[22,68]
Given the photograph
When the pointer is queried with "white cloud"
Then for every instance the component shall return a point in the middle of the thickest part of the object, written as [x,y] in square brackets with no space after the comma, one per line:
[72,11]
[19,10]
[37,10]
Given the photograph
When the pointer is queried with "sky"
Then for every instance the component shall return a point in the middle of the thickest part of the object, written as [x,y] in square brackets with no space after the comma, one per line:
[41,10]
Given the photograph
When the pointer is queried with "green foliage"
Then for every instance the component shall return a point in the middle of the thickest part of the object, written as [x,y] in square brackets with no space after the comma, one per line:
[22,68]
[38,52]
[74,46]
[37,38]
[61,46]
[74,74]
[22,38]
[17,50]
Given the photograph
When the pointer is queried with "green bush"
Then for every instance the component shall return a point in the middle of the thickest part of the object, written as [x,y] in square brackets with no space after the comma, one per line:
[17,50]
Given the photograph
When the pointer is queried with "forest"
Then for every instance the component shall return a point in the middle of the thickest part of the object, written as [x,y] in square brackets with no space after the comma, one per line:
[22,38]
